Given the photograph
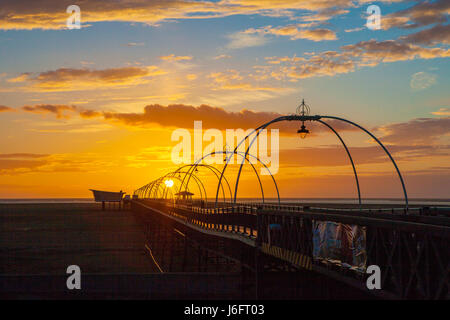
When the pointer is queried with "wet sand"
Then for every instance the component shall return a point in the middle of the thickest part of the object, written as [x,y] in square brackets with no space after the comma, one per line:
[47,238]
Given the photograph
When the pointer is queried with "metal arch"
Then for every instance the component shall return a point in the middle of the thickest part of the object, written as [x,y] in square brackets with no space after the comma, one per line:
[207,166]
[197,163]
[385,150]
[191,166]
[314,118]
[268,170]
[349,156]
[146,188]
[196,179]
[243,140]
[260,128]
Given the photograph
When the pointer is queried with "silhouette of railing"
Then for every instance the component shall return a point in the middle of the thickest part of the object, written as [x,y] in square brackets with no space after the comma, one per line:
[411,250]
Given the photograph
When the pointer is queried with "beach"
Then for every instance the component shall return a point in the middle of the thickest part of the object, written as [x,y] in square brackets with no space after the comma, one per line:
[47,238]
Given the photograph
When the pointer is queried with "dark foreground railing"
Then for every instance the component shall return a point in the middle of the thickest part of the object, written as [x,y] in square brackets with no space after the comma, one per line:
[410,250]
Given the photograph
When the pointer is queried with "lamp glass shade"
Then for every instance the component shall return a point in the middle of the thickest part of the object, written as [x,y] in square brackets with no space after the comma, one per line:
[303,132]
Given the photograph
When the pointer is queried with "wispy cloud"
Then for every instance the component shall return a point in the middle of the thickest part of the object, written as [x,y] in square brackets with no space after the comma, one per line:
[245,39]
[6,109]
[442,112]
[422,80]
[69,79]
[173,57]
[27,14]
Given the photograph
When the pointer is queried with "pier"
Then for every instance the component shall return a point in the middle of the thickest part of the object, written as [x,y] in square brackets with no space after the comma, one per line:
[411,250]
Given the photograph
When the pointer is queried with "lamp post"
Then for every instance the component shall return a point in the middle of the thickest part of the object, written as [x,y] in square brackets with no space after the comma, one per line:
[302,114]
[303,110]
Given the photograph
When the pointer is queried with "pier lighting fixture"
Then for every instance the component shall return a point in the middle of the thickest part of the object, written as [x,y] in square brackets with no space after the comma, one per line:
[303,131]
[169,183]
[303,111]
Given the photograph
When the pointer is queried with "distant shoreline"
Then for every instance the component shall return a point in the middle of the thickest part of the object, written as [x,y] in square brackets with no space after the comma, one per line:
[397,201]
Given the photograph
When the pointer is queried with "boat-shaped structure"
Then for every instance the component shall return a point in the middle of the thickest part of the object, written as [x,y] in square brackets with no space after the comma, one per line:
[107,196]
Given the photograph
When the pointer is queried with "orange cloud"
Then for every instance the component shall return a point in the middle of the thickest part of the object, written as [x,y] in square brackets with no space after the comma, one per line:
[183,116]
[173,57]
[68,79]
[434,35]
[422,14]
[27,14]
[20,161]
[58,110]
[425,131]
[442,112]
[293,31]
[392,50]
[6,109]
[364,53]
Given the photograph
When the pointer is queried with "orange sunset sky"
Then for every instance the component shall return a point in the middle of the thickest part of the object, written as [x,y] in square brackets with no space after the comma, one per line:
[95,107]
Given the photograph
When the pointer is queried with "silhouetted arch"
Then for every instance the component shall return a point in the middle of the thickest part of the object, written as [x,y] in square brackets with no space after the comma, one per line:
[307,118]
[349,156]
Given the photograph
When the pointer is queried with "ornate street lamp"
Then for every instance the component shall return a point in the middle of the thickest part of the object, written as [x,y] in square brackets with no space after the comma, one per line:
[303,110]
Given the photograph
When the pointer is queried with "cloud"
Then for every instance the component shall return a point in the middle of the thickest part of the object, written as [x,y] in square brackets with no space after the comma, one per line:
[422,80]
[323,15]
[233,80]
[442,112]
[392,50]
[6,109]
[317,34]
[222,56]
[61,111]
[22,163]
[354,29]
[58,110]
[244,39]
[21,155]
[327,63]
[173,57]
[425,131]
[10,162]
[183,116]
[135,44]
[191,76]
[69,79]
[434,35]
[27,14]
[293,31]
[422,14]
[87,114]
[362,54]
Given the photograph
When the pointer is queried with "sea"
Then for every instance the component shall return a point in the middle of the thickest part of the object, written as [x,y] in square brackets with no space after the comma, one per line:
[388,201]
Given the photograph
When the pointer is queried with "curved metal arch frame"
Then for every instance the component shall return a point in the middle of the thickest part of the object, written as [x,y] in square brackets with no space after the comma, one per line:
[244,157]
[308,118]
[349,156]
[197,180]
[385,150]
[213,169]
[197,163]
